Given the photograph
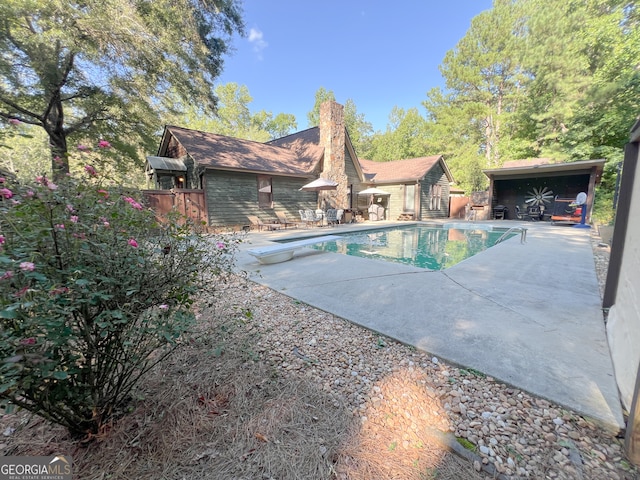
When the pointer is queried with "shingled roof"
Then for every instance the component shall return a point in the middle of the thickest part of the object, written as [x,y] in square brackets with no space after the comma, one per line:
[209,150]
[528,162]
[401,170]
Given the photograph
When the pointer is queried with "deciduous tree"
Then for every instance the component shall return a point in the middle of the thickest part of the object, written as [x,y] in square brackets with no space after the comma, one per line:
[233,117]
[103,68]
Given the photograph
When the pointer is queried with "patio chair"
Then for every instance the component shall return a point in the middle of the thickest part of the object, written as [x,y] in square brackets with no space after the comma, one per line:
[282,218]
[520,215]
[332,216]
[339,215]
[534,212]
[256,222]
[310,217]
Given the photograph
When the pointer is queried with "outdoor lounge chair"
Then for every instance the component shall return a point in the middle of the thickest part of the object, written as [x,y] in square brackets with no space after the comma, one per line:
[256,222]
[282,218]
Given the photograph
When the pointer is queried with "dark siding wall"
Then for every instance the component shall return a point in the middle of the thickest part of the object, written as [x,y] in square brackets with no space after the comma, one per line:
[231,196]
[352,178]
[435,176]
[515,191]
[192,180]
[287,197]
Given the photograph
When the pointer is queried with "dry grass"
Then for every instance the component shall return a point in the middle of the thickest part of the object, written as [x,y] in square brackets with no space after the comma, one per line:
[216,410]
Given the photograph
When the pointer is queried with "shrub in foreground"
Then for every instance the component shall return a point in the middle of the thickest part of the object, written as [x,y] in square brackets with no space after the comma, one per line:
[93,293]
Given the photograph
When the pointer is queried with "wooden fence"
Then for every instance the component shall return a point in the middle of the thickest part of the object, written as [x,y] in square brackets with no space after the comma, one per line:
[190,203]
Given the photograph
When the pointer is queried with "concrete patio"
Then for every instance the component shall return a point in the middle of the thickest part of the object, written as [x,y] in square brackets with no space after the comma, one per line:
[526,314]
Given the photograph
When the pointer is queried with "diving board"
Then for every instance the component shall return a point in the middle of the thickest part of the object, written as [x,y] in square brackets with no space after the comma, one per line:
[284,251]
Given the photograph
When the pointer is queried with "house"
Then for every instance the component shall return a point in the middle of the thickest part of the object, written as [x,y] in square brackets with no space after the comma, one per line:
[418,187]
[544,182]
[229,178]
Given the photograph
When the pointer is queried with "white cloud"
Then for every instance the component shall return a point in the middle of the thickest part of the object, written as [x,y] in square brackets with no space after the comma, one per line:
[259,44]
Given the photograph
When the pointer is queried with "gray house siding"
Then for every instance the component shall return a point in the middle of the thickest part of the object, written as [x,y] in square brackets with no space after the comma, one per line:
[287,198]
[353,178]
[435,176]
[231,196]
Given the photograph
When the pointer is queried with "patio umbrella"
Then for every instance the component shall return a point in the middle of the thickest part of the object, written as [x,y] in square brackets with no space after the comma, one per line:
[320,184]
[373,191]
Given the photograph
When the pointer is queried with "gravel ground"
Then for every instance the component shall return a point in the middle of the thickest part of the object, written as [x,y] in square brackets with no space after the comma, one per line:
[515,434]
[402,399]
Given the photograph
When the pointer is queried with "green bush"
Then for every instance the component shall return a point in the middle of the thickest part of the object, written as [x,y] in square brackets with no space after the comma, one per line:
[93,293]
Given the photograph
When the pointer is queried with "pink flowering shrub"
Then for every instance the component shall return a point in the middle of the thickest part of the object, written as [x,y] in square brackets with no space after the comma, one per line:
[93,293]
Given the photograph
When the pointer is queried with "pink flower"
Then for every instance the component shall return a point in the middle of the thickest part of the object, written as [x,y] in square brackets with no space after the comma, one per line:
[20,293]
[40,179]
[30,193]
[82,148]
[164,306]
[58,160]
[220,245]
[60,226]
[2,179]
[104,144]
[106,224]
[28,341]
[59,290]
[90,170]
[104,193]
[6,193]
[6,275]
[70,207]
[27,266]
[74,218]
[133,243]
[2,239]
[133,203]
[52,186]
[14,121]
[81,236]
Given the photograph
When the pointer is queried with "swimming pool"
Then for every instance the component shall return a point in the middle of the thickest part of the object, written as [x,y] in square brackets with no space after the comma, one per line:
[433,247]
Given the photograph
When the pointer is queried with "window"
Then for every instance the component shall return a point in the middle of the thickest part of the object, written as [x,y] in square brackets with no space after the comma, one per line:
[410,198]
[435,197]
[265,192]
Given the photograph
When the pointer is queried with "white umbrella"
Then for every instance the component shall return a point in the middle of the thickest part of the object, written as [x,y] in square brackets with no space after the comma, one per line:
[373,191]
[320,184]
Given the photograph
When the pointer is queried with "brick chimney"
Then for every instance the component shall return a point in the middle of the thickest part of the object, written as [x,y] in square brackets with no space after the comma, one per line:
[332,138]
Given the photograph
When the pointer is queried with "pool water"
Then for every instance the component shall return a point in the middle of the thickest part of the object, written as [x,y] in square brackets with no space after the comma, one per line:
[424,246]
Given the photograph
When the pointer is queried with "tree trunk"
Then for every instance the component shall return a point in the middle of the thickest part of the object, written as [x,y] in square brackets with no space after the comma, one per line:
[54,126]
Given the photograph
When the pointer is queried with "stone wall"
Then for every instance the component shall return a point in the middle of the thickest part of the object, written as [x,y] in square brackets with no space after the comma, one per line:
[333,139]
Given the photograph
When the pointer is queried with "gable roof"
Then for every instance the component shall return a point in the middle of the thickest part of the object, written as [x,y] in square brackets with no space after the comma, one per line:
[411,169]
[210,150]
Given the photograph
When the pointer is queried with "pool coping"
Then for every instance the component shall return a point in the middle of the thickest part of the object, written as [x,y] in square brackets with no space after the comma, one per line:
[383,255]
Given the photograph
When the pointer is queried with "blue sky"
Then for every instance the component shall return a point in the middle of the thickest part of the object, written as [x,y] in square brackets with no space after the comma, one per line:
[379,54]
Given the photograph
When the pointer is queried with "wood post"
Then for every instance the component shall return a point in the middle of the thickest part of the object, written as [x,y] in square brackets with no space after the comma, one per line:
[632,438]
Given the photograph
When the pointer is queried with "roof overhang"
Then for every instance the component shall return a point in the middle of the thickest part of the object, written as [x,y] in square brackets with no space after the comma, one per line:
[166,163]
[270,173]
[581,167]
